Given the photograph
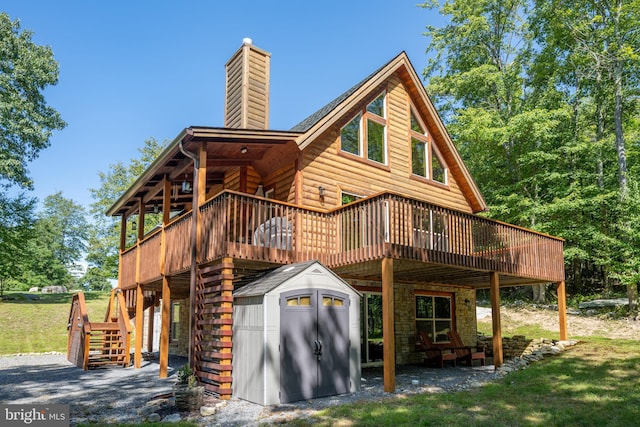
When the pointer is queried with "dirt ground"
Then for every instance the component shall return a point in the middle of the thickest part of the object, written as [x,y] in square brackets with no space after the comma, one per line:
[577,325]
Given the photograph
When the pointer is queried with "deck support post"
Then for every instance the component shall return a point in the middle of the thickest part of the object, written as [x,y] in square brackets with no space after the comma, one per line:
[164,327]
[495,316]
[150,325]
[165,307]
[388,329]
[562,309]
[137,355]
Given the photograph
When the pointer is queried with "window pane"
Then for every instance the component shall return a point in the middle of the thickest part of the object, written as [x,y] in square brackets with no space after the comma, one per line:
[350,136]
[374,315]
[442,327]
[437,169]
[348,198]
[375,141]
[425,326]
[305,300]
[338,302]
[415,125]
[292,301]
[443,308]
[418,158]
[326,301]
[377,106]
[424,307]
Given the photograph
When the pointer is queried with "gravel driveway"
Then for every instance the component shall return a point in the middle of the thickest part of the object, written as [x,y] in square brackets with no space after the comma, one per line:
[114,395]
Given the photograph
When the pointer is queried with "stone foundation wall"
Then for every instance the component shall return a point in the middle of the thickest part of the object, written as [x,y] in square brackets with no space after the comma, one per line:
[516,346]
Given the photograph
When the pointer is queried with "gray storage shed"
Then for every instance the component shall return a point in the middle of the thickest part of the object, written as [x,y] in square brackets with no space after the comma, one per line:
[296,336]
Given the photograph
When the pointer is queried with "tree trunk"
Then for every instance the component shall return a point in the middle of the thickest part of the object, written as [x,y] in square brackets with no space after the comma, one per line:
[632,293]
[539,293]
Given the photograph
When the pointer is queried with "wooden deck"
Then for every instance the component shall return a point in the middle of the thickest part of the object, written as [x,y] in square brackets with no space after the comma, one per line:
[429,242]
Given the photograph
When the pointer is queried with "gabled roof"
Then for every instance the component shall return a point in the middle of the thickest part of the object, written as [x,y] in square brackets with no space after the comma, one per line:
[320,121]
[264,283]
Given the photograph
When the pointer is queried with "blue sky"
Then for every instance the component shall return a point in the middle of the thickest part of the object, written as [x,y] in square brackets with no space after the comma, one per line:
[131,70]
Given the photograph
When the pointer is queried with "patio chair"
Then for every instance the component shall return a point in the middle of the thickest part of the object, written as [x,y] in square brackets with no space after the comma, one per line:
[467,353]
[432,353]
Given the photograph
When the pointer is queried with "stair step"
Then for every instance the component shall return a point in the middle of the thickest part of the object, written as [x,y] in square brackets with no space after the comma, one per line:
[104,326]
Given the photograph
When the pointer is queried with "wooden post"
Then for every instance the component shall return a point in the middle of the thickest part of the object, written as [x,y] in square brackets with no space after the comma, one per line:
[164,331]
[226,364]
[388,329]
[150,325]
[495,316]
[137,355]
[298,179]
[123,246]
[166,290]
[562,310]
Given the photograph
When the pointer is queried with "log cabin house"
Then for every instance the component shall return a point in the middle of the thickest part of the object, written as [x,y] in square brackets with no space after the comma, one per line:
[370,185]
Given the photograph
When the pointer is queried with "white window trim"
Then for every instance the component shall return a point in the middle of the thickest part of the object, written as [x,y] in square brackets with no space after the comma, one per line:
[365,115]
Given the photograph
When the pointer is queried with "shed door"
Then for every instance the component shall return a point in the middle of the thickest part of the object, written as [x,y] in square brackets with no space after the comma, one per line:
[314,344]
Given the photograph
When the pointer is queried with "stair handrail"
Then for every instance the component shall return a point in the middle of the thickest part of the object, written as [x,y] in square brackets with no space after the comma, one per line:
[109,314]
[78,313]
[124,323]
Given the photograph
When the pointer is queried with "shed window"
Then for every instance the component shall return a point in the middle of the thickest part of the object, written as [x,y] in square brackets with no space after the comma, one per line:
[365,134]
[303,301]
[434,316]
[332,301]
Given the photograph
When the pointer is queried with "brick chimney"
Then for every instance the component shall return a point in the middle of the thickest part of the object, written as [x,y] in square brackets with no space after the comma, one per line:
[247,88]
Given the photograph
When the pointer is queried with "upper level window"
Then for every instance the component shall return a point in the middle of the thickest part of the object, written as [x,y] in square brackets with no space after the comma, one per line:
[425,157]
[365,134]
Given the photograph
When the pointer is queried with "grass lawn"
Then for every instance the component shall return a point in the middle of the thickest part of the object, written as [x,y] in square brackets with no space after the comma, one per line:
[40,326]
[595,383]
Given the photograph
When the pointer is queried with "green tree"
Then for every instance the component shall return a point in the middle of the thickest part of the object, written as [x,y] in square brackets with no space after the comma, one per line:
[104,239]
[16,231]
[26,121]
[60,234]
[506,132]
[597,44]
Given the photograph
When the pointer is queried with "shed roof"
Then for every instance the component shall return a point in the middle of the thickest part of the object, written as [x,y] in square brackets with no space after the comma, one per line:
[265,283]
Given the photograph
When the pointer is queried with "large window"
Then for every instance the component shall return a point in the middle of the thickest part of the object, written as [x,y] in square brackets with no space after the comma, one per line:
[365,135]
[426,160]
[371,328]
[175,321]
[363,225]
[430,229]
[434,316]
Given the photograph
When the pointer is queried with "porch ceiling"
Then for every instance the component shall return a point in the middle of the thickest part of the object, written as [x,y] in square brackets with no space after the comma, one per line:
[410,271]
[226,149]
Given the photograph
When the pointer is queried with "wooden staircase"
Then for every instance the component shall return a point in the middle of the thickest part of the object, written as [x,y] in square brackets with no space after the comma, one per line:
[106,345]
[96,344]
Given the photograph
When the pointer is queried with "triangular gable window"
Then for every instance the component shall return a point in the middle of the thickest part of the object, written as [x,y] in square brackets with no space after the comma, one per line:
[438,170]
[426,161]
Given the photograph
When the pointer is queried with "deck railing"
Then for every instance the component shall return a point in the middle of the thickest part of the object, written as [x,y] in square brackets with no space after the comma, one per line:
[248,227]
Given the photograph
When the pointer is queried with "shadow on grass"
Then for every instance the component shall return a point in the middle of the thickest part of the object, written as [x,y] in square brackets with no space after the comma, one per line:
[593,384]
[39,298]
[94,391]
